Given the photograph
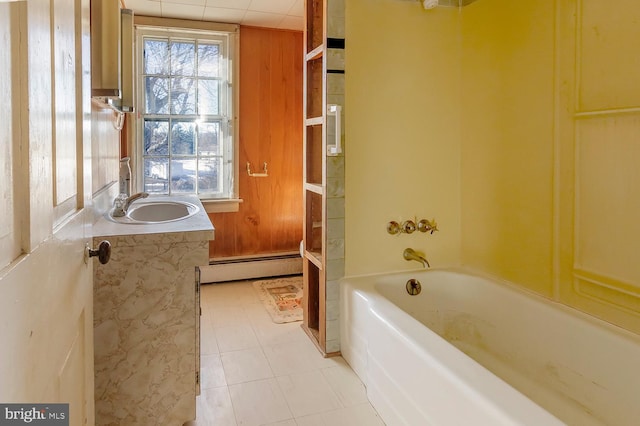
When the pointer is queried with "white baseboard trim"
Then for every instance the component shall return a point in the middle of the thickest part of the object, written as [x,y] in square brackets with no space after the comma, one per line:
[250,268]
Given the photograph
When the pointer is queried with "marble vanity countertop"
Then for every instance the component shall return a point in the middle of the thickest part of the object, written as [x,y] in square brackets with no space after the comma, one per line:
[195,228]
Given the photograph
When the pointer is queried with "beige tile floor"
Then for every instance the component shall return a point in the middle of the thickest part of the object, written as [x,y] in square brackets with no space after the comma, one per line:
[256,372]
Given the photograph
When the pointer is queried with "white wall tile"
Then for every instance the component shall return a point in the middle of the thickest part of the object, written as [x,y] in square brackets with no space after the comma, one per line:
[335,187]
[335,208]
[335,84]
[333,330]
[332,346]
[335,228]
[335,59]
[333,290]
[335,10]
[339,99]
[335,28]
[335,269]
[335,166]
[333,310]
[335,248]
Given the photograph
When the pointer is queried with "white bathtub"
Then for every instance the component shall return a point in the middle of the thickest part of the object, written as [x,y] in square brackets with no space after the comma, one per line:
[471,351]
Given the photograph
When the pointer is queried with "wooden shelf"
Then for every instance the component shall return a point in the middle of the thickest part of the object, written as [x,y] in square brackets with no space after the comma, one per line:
[313,187]
[314,121]
[315,53]
[315,258]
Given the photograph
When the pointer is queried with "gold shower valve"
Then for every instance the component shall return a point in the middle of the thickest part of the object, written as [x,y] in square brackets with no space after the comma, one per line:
[426,225]
[393,228]
[410,226]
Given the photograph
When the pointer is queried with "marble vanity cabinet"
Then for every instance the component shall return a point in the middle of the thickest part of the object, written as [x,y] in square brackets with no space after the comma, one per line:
[146,320]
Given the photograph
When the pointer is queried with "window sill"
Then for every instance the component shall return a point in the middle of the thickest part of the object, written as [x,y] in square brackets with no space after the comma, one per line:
[222,206]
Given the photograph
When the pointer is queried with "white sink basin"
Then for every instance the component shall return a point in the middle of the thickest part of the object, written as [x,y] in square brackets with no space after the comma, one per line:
[149,212]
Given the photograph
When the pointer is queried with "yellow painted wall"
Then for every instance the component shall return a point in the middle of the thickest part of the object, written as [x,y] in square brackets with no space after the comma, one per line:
[403,132]
[468,98]
[507,140]
[599,152]
[516,125]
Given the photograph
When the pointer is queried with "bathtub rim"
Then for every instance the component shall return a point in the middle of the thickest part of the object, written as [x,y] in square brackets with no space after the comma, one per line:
[465,270]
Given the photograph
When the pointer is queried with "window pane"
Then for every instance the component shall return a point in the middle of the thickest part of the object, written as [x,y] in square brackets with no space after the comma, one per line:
[183,175]
[183,96]
[156,172]
[183,137]
[156,55]
[208,60]
[208,97]
[184,146]
[208,181]
[156,95]
[208,138]
[156,137]
[182,58]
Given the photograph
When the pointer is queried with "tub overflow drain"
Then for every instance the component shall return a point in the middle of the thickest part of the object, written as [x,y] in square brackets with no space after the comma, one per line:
[414,287]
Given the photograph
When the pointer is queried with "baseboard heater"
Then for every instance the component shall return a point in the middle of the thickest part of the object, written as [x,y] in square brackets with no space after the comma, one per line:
[244,268]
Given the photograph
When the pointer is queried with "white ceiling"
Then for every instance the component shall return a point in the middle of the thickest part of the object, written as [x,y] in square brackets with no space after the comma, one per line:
[283,14]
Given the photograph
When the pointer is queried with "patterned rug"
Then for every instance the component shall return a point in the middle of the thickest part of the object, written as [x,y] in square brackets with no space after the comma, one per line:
[282,297]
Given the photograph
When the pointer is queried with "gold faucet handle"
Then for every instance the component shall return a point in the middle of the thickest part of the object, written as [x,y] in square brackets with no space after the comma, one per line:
[427,226]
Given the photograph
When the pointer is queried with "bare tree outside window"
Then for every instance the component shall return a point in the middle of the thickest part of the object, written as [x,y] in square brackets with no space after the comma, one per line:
[185,125]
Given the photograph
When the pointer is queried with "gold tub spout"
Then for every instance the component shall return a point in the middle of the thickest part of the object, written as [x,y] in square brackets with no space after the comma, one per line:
[411,254]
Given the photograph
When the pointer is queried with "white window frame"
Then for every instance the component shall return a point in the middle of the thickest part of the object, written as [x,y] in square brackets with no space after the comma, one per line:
[230,33]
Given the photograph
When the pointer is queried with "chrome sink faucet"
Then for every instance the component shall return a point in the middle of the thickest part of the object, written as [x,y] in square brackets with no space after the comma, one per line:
[121,204]
[411,254]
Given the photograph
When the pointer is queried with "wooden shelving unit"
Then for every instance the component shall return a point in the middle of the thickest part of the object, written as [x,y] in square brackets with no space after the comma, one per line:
[315,176]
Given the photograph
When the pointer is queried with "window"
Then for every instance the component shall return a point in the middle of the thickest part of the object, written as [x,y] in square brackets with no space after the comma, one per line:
[185,125]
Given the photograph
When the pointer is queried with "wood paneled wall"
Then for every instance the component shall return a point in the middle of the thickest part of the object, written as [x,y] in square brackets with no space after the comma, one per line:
[269,220]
